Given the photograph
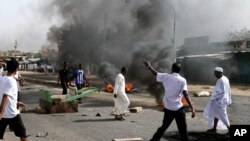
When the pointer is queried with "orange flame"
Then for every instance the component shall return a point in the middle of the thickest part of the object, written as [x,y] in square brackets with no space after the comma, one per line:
[109,88]
[184,101]
[128,87]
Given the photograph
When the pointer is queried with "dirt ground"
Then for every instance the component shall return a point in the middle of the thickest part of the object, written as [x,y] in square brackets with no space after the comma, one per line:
[239,90]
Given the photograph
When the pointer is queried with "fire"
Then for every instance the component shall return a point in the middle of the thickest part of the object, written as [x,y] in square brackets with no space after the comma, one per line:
[110,87]
[128,87]
[184,101]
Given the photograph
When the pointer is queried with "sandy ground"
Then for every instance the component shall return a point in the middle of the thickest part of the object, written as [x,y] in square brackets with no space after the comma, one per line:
[239,90]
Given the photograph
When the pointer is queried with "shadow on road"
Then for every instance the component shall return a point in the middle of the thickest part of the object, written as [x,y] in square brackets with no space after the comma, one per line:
[95,120]
[197,136]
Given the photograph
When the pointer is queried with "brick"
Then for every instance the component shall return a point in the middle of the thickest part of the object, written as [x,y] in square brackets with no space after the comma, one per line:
[135,109]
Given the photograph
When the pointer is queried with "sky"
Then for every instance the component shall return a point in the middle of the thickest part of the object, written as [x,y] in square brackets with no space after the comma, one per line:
[24,21]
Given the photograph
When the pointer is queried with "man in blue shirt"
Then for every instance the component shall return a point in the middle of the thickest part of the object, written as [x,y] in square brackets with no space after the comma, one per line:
[80,79]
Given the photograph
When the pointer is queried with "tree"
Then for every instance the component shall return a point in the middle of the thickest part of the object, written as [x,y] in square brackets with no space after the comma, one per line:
[239,34]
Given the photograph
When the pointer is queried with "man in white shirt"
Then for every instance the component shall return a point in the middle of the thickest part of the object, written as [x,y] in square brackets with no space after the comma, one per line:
[1,69]
[175,87]
[121,99]
[216,109]
[9,114]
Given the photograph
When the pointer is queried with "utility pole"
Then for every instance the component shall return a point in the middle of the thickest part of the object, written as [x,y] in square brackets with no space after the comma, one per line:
[15,46]
[175,54]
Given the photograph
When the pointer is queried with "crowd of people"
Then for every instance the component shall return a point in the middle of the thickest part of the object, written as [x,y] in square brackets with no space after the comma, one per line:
[175,87]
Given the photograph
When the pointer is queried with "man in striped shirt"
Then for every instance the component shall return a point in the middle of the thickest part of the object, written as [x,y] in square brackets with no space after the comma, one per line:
[80,79]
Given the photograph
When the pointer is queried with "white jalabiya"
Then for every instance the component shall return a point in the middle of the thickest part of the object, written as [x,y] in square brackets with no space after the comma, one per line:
[217,106]
[121,102]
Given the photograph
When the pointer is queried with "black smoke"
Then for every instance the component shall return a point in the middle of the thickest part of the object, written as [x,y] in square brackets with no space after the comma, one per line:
[110,34]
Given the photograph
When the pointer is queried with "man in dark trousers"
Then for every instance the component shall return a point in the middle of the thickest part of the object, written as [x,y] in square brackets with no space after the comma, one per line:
[9,113]
[80,79]
[175,87]
[63,78]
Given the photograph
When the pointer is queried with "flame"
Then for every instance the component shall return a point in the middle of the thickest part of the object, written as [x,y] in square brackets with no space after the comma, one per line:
[128,87]
[184,101]
[109,88]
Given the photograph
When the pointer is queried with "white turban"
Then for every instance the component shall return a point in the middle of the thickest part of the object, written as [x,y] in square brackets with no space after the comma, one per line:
[219,69]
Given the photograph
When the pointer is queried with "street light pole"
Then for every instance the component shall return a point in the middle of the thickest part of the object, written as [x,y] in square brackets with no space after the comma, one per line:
[175,54]
[15,46]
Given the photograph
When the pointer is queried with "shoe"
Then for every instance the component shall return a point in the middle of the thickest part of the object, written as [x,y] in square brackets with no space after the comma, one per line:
[122,117]
[117,117]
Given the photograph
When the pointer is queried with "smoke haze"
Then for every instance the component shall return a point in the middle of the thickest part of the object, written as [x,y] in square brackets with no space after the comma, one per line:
[114,33]
[25,22]
[118,32]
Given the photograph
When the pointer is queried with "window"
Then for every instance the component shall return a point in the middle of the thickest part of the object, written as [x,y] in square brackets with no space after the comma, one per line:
[248,44]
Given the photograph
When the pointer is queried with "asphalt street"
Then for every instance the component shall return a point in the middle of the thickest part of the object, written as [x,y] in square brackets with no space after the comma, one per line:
[86,126]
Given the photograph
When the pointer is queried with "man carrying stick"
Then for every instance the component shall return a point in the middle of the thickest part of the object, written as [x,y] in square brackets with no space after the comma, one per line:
[175,87]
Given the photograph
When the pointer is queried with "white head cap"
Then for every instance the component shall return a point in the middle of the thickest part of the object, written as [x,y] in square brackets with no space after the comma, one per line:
[219,69]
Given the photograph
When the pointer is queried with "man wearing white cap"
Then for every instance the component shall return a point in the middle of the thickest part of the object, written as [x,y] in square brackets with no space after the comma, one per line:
[216,109]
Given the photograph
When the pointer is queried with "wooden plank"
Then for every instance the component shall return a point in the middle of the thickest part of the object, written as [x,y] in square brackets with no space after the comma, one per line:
[84,92]
[128,139]
[135,109]
[58,97]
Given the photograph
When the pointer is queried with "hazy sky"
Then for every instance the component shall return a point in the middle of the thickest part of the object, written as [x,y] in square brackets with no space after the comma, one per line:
[23,20]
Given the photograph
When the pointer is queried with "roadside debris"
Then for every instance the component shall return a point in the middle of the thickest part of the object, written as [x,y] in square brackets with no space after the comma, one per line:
[135,109]
[202,94]
[42,134]
[98,115]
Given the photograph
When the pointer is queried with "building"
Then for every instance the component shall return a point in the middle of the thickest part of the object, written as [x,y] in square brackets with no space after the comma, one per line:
[202,45]
[49,53]
[199,57]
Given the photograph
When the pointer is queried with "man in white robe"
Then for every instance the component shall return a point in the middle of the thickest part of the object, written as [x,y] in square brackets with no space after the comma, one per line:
[216,109]
[121,100]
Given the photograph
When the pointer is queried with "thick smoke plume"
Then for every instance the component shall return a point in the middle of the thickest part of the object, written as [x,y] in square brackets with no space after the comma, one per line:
[110,34]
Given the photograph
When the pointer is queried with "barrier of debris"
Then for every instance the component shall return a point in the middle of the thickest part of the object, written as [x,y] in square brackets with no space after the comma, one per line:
[49,103]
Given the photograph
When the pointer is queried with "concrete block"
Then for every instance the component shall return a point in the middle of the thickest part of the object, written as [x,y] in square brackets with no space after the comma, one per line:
[135,109]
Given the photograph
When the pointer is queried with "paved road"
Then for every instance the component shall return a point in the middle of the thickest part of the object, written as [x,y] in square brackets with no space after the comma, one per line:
[86,126]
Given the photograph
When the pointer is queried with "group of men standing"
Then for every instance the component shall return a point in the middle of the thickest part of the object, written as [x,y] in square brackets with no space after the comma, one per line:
[79,77]
[175,87]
